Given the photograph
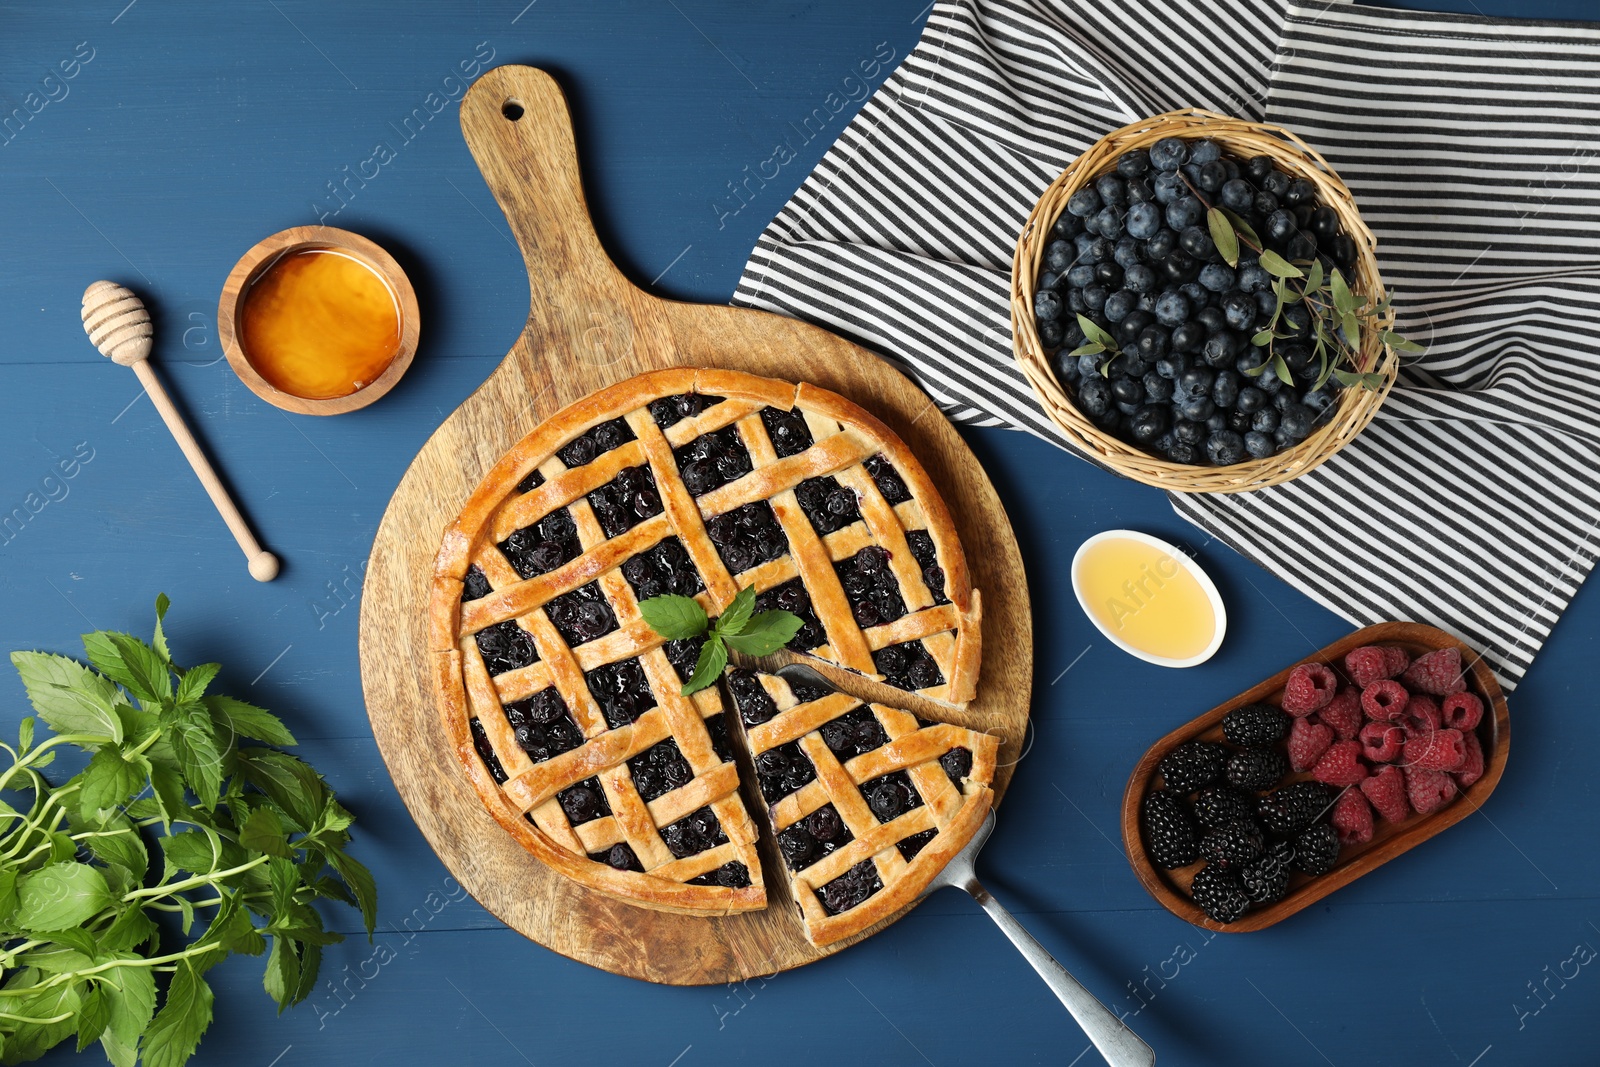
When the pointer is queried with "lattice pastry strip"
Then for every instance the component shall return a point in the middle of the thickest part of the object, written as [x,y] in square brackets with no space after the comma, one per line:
[867,802]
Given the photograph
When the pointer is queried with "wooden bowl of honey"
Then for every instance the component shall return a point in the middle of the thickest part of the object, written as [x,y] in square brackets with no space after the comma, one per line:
[318,320]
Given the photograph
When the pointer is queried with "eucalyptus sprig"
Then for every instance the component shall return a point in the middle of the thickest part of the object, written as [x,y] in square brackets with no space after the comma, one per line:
[740,627]
[249,836]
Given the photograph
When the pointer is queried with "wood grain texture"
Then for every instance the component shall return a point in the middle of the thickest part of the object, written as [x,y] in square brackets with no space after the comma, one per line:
[588,327]
[1170,888]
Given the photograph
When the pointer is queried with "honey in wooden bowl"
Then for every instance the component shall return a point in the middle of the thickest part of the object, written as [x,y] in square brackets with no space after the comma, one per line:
[318,320]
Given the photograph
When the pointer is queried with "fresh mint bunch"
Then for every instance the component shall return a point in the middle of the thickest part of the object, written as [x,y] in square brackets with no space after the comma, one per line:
[741,628]
[249,839]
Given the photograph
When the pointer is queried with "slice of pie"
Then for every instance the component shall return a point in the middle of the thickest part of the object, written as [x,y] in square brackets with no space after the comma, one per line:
[562,703]
[868,802]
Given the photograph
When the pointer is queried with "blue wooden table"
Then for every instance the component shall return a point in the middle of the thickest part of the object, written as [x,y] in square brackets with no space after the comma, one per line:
[188,132]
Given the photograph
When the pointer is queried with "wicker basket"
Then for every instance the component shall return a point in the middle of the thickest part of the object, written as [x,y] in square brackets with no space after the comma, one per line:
[1244,139]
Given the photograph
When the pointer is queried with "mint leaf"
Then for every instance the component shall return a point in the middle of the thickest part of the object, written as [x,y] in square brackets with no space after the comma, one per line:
[167,785]
[190,850]
[737,615]
[247,720]
[263,832]
[107,659]
[25,734]
[294,786]
[1279,267]
[673,617]
[160,640]
[132,992]
[1223,236]
[176,1030]
[60,896]
[194,681]
[8,896]
[282,977]
[766,633]
[68,696]
[110,780]
[713,657]
[361,883]
[192,733]
[94,1014]
[149,674]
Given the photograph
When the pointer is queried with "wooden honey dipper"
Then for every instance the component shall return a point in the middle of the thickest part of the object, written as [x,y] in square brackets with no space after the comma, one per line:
[118,324]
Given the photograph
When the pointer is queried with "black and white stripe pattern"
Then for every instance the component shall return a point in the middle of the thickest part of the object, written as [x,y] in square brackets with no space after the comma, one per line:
[1473,147]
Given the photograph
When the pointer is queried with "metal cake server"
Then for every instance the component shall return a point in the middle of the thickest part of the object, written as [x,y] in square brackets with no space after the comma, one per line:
[1120,1046]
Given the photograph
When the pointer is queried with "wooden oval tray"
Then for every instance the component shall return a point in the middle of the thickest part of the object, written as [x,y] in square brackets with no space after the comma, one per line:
[1389,840]
[589,327]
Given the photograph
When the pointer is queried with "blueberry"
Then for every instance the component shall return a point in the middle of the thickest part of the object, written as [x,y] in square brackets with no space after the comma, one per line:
[1280,227]
[1251,399]
[1181,452]
[1047,305]
[1161,245]
[1196,240]
[1282,400]
[1198,410]
[1257,168]
[1094,397]
[1112,189]
[1221,349]
[1067,226]
[1191,433]
[1266,302]
[1065,363]
[1197,295]
[1217,277]
[1188,336]
[1270,384]
[1119,304]
[1217,422]
[1108,222]
[1108,274]
[1296,356]
[1127,253]
[1134,164]
[1058,255]
[1147,301]
[1172,366]
[1319,400]
[1132,366]
[1240,311]
[1088,366]
[1157,389]
[1300,191]
[1180,267]
[1100,248]
[1168,187]
[1164,442]
[1144,220]
[1172,308]
[1169,153]
[1325,223]
[1238,195]
[1212,319]
[1153,342]
[1127,409]
[1343,251]
[1049,279]
[1266,420]
[1225,390]
[1224,447]
[1205,151]
[1301,246]
[1051,333]
[1084,202]
[1253,279]
[1264,203]
[1095,297]
[1127,391]
[1139,279]
[1128,330]
[1081,276]
[1297,420]
[1184,213]
[1259,445]
[1212,176]
[1148,423]
[1196,381]
[1276,182]
[1140,190]
[1238,421]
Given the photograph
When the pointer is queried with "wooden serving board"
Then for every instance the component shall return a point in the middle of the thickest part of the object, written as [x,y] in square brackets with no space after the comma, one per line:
[589,327]
[1389,839]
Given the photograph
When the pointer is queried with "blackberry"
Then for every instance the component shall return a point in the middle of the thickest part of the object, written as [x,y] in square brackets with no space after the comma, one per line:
[1192,765]
[1168,829]
[1219,894]
[1255,724]
[1317,850]
[1232,846]
[1218,805]
[1266,878]
[1293,808]
[1256,768]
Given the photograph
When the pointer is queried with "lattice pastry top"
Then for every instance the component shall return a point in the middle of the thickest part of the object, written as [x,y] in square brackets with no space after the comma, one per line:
[563,704]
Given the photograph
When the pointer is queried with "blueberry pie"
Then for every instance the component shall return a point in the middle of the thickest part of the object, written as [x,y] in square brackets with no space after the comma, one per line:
[868,802]
[562,703]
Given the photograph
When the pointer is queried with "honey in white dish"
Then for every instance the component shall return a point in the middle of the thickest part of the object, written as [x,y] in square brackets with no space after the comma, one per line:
[1147,598]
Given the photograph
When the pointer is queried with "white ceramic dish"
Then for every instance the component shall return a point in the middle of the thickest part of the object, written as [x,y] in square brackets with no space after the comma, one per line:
[1206,585]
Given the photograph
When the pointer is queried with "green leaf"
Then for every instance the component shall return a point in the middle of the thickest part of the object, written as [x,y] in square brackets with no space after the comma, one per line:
[1347,378]
[766,633]
[310,964]
[8,897]
[1350,327]
[673,617]
[160,641]
[190,850]
[1242,228]
[178,1026]
[713,657]
[110,780]
[168,788]
[60,896]
[29,1041]
[1279,267]
[292,785]
[1089,349]
[1223,236]
[1093,332]
[362,884]
[1281,369]
[737,615]
[193,736]
[258,724]
[148,673]
[1314,282]
[69,696]
[131,993]
[1262,339]
[125,849]
[282,976]
[194,681]
[1372,381]
[25,734]
[1343,300]
[94,1014]
[263,832]
[131,928]
[1401,344]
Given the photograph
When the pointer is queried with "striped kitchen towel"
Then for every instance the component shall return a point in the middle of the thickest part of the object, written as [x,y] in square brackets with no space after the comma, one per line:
[1473,148]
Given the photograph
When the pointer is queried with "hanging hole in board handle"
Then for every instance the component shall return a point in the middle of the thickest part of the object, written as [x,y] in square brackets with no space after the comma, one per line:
[512,109]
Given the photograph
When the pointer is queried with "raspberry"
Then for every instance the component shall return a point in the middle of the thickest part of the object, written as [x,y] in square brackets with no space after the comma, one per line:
[1422,715]
[1193,764]
[1429,791]
[1439,673]
[1352,817]
[1380,742]
[1219,894]
[1255,724]
[1343,713]
[1373,663]
[1386,789]
[1462,711]
[1308,740]
[1436,750]
[1385,701]
[1471,768]
[1341,764]
[1317,850]
[1310,686]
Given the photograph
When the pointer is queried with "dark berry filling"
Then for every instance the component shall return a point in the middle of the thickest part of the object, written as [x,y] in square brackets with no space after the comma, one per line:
[712,460]
[870,586]
[792,597]
[663,568]
[475,586]
[788,430]
[530,481]
[683,654]
[622,691]
[584,802]
[595,443]
[922,550]
[748,536]
[755,706]
[827,504]
[717,727]
[888,480]
[543,726]
[805,694]
[581,615]
[660,769]
[693,834]
[544,546]
[852,734]
[733,875]
[505,647]
[813,837]
[626,500]
[957,763]
[850,888]
[782,770]
[619,856]
[908,666]
[909,847]
[891,796]
[480,741]
[667,410]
